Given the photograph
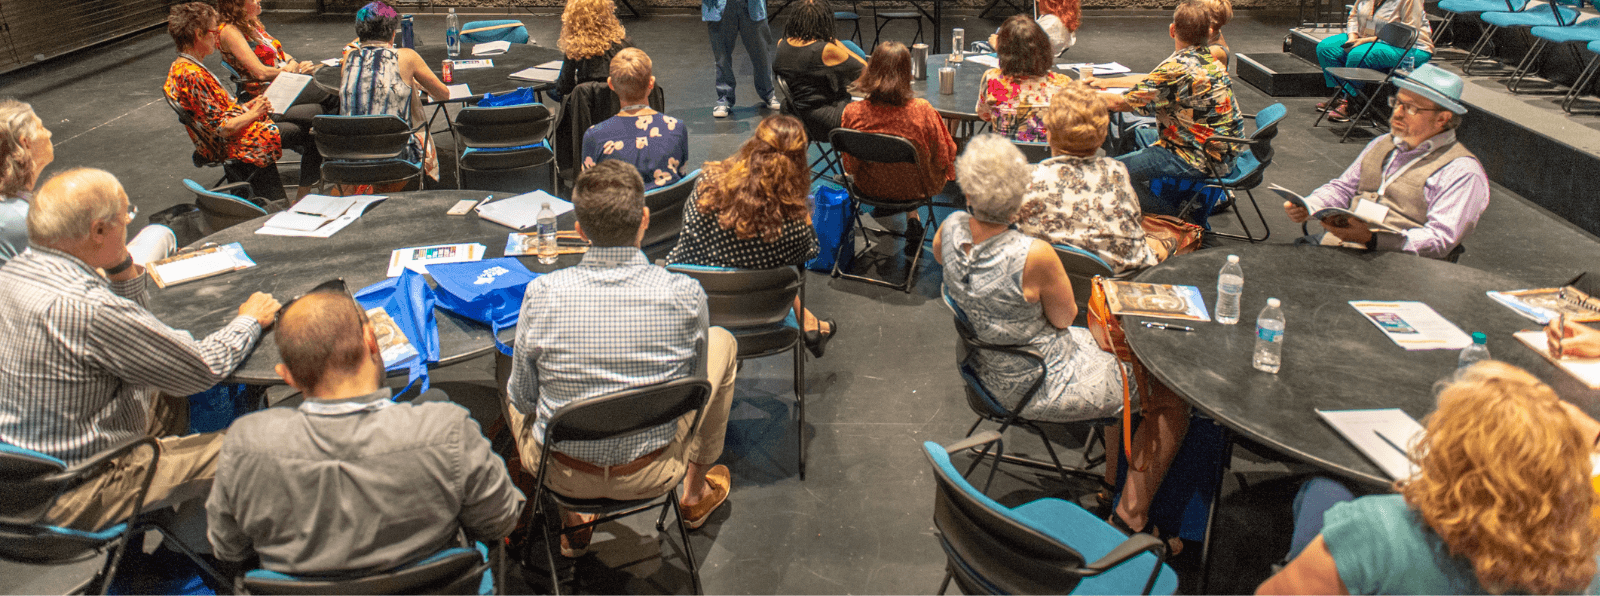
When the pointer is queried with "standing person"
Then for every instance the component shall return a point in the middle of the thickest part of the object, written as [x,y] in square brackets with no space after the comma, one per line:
[1012,98]
[729,21]
[257,57]
[590,37]
[379,78]
[654,143]
[1358,46]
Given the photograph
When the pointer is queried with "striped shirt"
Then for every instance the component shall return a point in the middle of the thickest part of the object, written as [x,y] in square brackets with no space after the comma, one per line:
[612,323]
[82,359]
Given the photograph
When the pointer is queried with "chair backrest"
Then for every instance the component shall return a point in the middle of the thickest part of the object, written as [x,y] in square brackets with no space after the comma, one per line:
[1567,11]
[993,550]
[628,412]
[360,138]
[746,298]
[666,209]
[503,127]
[1266,130]
[455,571]
[222,210]
[1033,151]
[187,120]
[1398,34]
[25,487]
[1081,266]
[873,147]
[510,30]
[786,98]
[983,401]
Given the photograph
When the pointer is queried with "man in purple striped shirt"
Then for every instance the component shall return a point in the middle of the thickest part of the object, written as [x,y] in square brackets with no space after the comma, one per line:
[84,367]
[1417,178]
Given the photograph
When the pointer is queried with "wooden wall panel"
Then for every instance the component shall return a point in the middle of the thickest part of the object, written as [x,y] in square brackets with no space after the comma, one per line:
[35,30]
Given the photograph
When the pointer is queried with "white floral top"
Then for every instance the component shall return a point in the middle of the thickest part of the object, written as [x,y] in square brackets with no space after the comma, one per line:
[1088,203]
[656,144]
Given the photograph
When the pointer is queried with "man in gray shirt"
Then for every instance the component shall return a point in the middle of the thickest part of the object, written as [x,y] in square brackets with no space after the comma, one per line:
[350,482]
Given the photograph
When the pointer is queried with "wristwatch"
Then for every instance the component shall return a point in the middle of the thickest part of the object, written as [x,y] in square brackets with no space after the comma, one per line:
[123,266]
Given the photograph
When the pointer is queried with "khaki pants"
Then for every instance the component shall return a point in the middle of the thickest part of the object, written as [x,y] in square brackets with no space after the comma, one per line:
[184,471]
[702,445]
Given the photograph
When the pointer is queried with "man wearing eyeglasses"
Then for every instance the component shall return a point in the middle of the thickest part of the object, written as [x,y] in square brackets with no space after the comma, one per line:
[85,368]
[1417,178]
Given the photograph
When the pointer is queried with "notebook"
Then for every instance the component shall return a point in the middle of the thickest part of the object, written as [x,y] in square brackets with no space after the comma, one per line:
[522,211]
[1383,435]
[537,75]
[1586,370]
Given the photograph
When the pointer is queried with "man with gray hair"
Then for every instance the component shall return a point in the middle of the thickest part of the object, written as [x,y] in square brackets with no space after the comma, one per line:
[1417,178]
[84,367]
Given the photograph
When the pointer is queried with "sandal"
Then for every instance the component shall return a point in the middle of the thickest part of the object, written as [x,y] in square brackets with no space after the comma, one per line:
[1174,543]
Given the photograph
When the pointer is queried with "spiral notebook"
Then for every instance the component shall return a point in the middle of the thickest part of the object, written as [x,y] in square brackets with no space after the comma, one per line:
[1543,304]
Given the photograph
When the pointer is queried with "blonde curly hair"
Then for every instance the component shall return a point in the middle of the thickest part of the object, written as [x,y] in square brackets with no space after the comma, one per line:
[18,124]
[1076,120]
[1504,481]
[589,28]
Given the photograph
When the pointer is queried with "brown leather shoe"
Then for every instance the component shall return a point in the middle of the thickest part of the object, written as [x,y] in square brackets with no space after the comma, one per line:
[720,482]
[575,544]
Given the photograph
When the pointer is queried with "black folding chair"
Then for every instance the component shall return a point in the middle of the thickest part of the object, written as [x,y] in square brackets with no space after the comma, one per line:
[1396,34]
[364,149]
[451,571]
[502,140]
[879,148]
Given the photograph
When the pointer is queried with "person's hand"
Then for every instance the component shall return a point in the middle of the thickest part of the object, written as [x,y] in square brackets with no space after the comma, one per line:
[1296,213]
[1348,229]
[1574,340]
[307,67]
[259,107]
[262,307]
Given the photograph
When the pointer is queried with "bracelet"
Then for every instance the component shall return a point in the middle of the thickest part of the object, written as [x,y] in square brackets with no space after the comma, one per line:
[126,264]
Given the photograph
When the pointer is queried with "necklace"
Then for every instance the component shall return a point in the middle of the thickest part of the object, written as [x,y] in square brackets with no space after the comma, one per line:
[634,107]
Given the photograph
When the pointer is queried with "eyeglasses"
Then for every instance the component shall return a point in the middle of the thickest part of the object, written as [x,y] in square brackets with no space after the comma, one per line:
[1410,108]
[133,212]
[333,286]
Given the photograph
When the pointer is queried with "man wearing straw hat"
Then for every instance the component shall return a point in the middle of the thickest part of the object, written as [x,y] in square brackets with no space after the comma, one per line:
[1417,178]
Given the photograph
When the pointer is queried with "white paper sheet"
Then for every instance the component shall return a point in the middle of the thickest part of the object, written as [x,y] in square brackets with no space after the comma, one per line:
[1102,69]
[359,206]
[461,91]
[331,62]
[181,268]
[522,211]
[285,88]
[551,65]
[1382,435]
[417,258]
[490,48]
[1413,325]
[1586,370]
[538,75]
[471,64]
[989,60]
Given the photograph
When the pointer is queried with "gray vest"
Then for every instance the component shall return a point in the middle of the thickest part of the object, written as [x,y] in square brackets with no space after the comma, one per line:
[1408,208]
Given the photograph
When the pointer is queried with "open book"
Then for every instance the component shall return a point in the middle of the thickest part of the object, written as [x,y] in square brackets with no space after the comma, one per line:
[1338,216]
[1162,301]
[1383,435]
[392,342]
[285,88]
[1543,304]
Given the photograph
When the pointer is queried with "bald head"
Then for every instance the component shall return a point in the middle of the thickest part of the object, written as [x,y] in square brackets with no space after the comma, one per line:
[322,336]
[70,204]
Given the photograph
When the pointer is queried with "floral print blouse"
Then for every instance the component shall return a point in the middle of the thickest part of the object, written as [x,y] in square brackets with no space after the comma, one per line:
[1191,97]
[1015,106]
[656,144]
[200,94]
[267,49]
[1088,203]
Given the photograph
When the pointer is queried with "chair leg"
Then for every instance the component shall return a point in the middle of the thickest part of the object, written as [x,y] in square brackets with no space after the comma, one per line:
[1529,59]
[800,408]
[846,238]
[944,585]
[683,534]
[1582,82]
[551,543]
[1248,236]
[1356,121]
[1477,48]
[1211,512]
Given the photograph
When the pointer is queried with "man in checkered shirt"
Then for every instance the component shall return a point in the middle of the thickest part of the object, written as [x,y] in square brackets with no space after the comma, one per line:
[612,323]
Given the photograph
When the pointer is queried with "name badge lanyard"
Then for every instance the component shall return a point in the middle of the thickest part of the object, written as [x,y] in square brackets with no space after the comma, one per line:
[1384,185]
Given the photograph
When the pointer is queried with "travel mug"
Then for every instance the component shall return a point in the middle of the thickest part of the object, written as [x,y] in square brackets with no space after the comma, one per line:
[947,81]
[919,61]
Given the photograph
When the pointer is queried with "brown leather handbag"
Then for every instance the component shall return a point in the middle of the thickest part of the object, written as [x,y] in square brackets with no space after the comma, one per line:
[1175,236]
[1107,331]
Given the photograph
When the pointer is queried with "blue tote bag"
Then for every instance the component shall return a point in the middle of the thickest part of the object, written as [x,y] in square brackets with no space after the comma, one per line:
[488,292]
[830,215]
[409,302]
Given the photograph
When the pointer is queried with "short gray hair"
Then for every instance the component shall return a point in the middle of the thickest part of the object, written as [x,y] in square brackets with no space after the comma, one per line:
[993,174]
[68,205]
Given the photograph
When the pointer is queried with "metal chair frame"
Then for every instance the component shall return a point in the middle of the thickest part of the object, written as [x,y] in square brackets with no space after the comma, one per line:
[519,132]
[1395,34]
[881,148]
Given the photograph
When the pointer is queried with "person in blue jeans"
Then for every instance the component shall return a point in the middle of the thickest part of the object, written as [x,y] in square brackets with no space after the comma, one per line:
[1501,502]
[728,22]
[1358,46]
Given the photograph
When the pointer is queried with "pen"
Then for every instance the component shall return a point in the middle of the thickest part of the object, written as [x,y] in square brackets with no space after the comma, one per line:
[481,202]
[1391,443]
[1155,325]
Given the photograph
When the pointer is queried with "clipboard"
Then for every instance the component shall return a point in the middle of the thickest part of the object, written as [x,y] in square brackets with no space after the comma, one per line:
[199,264]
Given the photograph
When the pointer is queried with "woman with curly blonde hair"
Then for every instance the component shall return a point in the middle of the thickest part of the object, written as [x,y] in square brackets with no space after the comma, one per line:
[753,211]
[1501,503]
[590,37]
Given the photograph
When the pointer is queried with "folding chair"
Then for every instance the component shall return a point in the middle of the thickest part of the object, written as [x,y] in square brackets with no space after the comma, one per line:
[499,140]
[1396,34]
[1249,169]
[882,19]
[1527,15]
[1033,151]
[1455,8]
[827,156]
[879,148]
[1584,78]
[1082,267]
[451,571]
[666,215]
[1564,28]
[228,205]
[364,149]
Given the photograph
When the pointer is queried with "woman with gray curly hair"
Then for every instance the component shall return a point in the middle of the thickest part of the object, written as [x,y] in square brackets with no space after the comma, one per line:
[1014,291]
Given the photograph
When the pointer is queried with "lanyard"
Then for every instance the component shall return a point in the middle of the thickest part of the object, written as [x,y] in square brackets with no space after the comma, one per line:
[1387,179]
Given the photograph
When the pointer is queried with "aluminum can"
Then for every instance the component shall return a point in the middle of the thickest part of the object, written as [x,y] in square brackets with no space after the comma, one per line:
[446,70]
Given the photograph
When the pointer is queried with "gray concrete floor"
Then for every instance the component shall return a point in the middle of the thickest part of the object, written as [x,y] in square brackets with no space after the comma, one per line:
[862,521]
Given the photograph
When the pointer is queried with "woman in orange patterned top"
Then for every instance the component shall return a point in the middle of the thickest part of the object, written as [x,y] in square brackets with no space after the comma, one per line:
[243,136]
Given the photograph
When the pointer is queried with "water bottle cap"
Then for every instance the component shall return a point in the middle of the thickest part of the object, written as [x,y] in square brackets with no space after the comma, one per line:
[1479,338]
[1274,302]
[1233,258]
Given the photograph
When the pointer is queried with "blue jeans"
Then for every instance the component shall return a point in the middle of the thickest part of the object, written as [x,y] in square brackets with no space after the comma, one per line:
[1154,162]
[1375,55]
[1315,498]
[758,42]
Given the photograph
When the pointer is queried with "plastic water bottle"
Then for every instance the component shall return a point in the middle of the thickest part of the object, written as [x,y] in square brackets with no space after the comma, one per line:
[1230,284]
[1409,64]
[547,235]
[1269,338]
[1479,350]
[452,33]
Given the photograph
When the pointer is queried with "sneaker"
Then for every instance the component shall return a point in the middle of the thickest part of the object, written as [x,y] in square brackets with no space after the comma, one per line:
[720,482]
[1340,113]
[772,104]
[721,111]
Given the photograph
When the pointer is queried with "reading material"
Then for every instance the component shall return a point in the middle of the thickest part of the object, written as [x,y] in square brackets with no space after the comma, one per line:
[989,60]
[1413,325]
[538,75]
[311,212]
[522,211]
[524,244]
[1381,435]
[461,91]
[551,65]
[358,206]
[1369,212]
[285,88]
[1107,68]
[392,342]
[1586,370]
[1543,304]
[471,64]
[199,264]
[489,48]
[1161,301]
[418,258]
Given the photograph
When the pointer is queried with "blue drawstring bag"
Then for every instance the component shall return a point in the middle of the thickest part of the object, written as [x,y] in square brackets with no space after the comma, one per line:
[215,409]
[830,215]
[515,97]
[487,291]
[409,301]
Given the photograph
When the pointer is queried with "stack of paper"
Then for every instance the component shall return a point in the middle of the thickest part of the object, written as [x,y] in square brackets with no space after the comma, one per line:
[490,48]
[418,258]
[1384,436]
[1107,68]
[522,211]
[318,216]
[461,91]
[199,264]
[537,75]
[1413,325]
[285,88]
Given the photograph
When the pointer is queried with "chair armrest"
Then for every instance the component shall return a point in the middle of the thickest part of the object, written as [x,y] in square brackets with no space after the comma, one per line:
[1135,545]
[1227,139]
[983,438]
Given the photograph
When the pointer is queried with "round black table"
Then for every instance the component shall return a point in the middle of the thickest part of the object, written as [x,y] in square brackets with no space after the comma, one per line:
[287,267]
[497,78]
[1333,358]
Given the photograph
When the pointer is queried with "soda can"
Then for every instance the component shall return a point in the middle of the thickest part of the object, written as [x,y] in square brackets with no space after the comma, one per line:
[446,69]
[406,36]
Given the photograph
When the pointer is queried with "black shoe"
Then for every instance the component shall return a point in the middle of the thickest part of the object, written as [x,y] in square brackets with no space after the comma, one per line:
[914,233]
[816,342]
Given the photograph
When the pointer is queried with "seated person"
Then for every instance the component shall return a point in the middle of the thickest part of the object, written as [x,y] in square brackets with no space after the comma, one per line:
[1429,185]
[351,483]
[654,143]
[615,322]
[590,37]
[1221,14]
[1358,46]
[84,367]
[25,150]
[1191,97]
[1081,200]
[379,78]
[256,58]
[1012,98]
[817,67]
[1500,504]
[244,137]
[1015,291]
[753,211]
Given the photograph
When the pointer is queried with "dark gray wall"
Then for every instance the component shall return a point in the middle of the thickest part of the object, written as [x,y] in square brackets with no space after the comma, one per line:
[35,30]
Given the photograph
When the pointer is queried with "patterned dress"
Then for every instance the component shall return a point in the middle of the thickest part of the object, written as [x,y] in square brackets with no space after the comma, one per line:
[371,84]
[203,97]
[1088,203]
[1081,381]
[655,144]
[267,49]
[1191,96]
[1014,106]
[705,242]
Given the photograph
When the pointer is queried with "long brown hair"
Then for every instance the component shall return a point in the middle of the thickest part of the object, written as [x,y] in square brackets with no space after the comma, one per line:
[887,77]
[764,185]
[233,13]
